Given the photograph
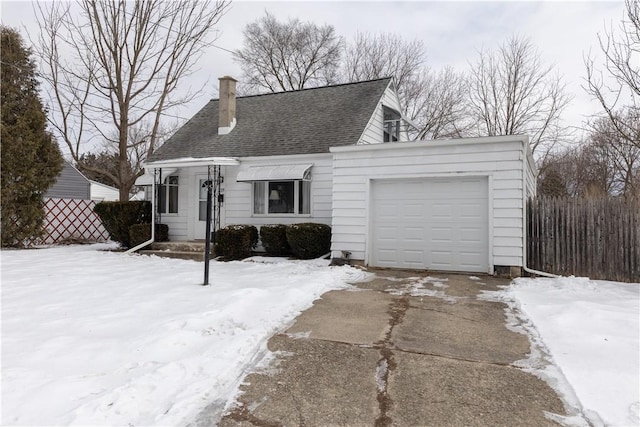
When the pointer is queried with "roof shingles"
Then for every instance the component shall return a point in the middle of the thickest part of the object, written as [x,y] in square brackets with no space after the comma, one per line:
[297,122]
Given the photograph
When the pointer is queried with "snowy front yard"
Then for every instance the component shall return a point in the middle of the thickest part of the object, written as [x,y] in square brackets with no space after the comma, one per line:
[100,338]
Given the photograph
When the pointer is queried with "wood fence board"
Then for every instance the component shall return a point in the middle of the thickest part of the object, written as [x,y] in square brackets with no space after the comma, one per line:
[595,238]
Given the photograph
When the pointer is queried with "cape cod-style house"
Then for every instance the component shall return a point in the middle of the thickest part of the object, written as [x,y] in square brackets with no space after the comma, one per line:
[340,155]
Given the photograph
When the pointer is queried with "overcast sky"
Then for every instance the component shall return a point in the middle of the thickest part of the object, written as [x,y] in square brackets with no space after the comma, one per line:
[452,32]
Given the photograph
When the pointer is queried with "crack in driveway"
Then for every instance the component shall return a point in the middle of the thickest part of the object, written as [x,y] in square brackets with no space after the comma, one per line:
[387,364]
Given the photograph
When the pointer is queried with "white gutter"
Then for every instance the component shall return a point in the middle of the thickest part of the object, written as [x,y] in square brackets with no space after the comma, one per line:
[153,220]
[186,162]
[525,147]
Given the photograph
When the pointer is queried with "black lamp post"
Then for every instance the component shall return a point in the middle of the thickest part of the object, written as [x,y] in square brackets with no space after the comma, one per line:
[207,242]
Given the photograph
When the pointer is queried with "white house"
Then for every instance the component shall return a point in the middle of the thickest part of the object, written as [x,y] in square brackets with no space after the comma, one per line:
[339,155]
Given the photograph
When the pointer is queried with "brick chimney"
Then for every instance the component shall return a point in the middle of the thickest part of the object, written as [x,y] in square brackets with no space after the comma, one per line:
[227,105]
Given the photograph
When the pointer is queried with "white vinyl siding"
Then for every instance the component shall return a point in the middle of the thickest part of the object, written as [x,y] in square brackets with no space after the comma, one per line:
[499,159]
[103,192]
[239,200]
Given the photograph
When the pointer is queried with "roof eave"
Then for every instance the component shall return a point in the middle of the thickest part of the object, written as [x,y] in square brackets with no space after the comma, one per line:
[192,162]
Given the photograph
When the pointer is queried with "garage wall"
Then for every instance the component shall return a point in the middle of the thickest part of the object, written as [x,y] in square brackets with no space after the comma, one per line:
[500,159]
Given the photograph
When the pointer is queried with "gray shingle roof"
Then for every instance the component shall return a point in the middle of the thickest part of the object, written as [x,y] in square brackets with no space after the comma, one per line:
[296,122]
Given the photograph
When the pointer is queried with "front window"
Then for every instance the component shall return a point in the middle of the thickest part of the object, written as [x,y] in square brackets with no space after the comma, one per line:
[168,196]
[391,125]
[282,197]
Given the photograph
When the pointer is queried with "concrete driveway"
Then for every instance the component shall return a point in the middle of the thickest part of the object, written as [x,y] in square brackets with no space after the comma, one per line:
[405,349]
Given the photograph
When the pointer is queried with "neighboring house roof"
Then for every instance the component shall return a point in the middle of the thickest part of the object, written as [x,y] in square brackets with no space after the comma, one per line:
[70,184]
[297,122]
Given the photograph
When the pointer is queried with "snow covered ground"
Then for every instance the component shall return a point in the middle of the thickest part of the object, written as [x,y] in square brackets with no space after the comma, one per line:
[92,337]
[590,330]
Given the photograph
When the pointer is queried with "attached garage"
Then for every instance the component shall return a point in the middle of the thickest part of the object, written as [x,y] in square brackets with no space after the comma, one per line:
[451,205]
[430,223]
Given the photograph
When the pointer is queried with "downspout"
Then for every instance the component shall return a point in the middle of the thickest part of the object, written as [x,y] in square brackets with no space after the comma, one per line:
[153,218]
[524,218]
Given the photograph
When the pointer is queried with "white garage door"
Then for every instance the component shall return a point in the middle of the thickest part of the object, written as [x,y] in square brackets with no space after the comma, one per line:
[437,224]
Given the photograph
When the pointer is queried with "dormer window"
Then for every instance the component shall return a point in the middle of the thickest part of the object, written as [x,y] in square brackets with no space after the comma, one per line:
[391,125]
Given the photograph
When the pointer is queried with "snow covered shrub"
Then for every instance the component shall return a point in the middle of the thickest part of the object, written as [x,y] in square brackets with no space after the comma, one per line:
[236,241]
[274,239]
[117,217]
[140,233]
[309,240]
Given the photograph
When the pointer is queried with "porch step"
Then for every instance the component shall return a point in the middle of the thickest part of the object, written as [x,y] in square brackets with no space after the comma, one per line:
[193,250]
[187,246]
[192,255]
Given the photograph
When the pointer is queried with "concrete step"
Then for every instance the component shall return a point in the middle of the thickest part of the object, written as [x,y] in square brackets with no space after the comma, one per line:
[192,255]
[191,246]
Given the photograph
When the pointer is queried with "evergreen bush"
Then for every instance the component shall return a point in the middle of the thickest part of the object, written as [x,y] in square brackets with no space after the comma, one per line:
[117,217]
[236,241]
[140,233]
[274,239]
[309,240]
[30,160]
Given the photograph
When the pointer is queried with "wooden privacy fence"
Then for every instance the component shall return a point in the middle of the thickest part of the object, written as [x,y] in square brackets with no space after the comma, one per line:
[599,239]
[71,220]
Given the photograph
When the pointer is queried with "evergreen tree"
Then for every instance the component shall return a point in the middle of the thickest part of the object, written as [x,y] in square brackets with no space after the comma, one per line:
[30,158]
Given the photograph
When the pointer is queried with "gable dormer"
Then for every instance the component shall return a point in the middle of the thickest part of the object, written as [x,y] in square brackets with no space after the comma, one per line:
[386,123]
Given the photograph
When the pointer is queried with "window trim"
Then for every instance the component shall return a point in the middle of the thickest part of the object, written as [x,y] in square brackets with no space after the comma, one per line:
[391,124]
[296,194]
[165,188]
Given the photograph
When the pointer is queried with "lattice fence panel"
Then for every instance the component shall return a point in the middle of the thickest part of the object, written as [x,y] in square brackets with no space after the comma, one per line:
[72,219]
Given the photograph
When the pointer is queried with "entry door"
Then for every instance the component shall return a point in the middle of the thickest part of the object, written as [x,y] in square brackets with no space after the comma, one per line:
[201,208]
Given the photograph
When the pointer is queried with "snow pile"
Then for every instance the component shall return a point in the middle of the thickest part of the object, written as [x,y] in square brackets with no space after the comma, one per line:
[592,333]
[92,337]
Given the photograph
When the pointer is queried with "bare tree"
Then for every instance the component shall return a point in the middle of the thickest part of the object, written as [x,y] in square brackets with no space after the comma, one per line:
[437,104]
[103,163]
[620,88]
[622,151]
[581,171]
[111,66]
[433,101]
[279,56]
[602,164]
[373,56]
[512,92]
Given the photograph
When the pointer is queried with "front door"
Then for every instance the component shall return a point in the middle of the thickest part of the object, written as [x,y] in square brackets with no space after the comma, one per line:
[201,208]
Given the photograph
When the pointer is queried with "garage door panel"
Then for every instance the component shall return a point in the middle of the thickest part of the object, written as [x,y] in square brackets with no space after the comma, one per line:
[441,235]
[388,256]
[430,223]
[472,235]
[388,233]
[388,210]
[471,259]
[413,211]
[414,256]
